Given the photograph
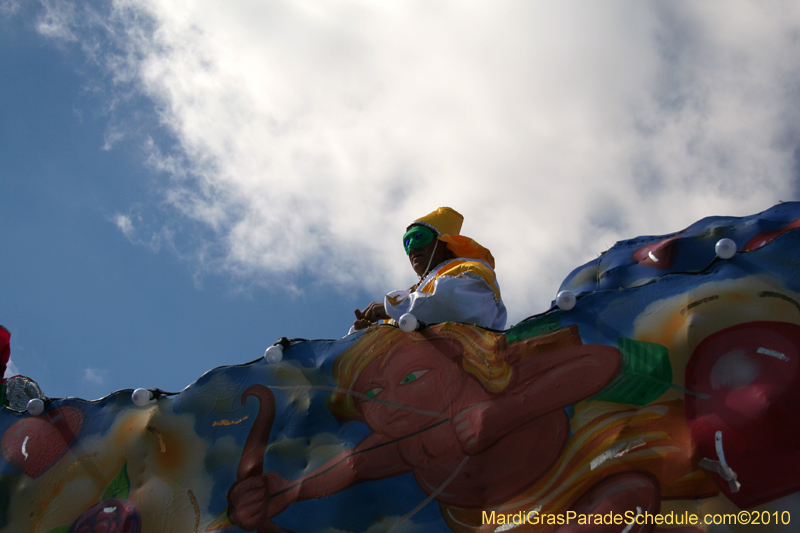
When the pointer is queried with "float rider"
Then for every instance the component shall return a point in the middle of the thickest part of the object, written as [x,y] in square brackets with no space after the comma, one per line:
[457,282]
[5,355]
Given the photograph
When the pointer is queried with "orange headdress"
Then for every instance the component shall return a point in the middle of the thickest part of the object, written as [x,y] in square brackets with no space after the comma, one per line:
[446,223]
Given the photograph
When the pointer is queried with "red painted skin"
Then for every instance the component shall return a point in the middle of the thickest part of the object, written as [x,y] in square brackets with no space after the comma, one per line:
[487,429]
[626,490]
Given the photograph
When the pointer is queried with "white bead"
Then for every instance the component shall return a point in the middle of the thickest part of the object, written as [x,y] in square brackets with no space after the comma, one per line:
[566,300]
[274,354]
[35,407]
[725,248]
[408,322]
[141,397]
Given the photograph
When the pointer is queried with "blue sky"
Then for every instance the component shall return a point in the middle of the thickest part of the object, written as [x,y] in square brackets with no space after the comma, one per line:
[89,312]
[182,183]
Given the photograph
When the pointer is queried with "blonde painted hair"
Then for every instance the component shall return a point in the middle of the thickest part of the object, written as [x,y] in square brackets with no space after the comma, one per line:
[480,353]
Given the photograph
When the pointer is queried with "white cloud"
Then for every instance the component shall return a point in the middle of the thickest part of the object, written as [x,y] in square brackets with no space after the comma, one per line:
[57,20]
[95,375]
[11,369]
[125,224]
[112,137]
[135,229]
[9,7]
[310,134]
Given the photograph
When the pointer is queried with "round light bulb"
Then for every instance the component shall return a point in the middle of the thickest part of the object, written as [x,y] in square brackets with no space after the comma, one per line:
[408,322]
[140,397]
[725,248]
[35,407]
[566,300]
[274,354]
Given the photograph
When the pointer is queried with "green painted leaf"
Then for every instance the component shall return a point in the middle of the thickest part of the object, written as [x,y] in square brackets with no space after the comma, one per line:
[646,373]
[59,529]
[119,487]
[533,327]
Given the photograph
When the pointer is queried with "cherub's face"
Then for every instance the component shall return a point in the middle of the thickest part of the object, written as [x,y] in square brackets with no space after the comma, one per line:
[418,377]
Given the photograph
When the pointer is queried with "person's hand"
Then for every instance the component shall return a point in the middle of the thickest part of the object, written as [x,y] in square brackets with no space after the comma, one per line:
[371,314]
[360,324]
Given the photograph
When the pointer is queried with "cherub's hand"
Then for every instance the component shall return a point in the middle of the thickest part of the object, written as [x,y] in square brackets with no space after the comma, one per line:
[472,431]
[250,503]
[281,495]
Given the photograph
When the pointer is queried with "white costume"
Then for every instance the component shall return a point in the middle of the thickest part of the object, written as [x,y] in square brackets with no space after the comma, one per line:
[463,289]
[458,290]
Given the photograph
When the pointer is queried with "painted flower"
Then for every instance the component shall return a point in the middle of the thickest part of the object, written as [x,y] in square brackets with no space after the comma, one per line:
[114,513]
[109,516]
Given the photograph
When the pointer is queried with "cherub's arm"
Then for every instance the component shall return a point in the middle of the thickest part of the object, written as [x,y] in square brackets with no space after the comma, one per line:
[254,500]
[375,457]
[563,377]
[544,383]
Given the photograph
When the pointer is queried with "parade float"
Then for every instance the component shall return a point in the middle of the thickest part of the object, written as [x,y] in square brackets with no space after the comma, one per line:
[664,381]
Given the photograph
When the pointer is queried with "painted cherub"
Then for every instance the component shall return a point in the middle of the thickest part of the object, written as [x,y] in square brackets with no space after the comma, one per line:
[476,420]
